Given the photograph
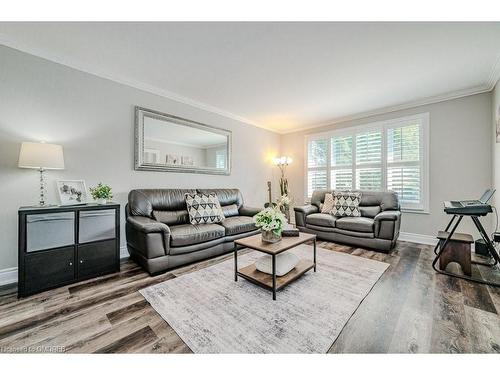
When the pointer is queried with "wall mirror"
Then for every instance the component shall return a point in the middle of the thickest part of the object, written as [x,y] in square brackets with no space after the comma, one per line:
[172,144]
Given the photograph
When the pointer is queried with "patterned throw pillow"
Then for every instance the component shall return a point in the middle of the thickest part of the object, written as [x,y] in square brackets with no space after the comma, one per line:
[346,203]
[204,208]
[327,206]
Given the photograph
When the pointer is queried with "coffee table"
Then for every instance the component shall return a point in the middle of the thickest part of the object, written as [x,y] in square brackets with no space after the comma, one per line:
[272,282]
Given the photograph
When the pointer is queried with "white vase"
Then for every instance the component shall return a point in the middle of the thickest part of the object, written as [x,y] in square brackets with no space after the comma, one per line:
[102,201]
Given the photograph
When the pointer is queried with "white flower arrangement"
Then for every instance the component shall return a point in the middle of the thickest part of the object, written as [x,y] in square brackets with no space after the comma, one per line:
[270,219]
[283,201]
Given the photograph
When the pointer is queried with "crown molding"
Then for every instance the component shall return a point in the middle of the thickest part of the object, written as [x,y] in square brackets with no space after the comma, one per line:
[126,81]
[494,74]
[407,105]
[487,87]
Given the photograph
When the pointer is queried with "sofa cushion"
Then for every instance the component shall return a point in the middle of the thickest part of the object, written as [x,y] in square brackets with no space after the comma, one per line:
[204,208]
[327,206]
[320,228]
[171,217]
[346,203]
[369,211]
[189,234]
[225,196]
[238,224]
[142,202]
[230,210]
[322,220]
[355,224]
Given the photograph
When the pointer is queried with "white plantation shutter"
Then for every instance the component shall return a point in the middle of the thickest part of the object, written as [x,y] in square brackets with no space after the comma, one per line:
[316,180]
[341,179]
[404,149]
[369,147]
[317,155]
[369,160]
[390,155]
[341,172]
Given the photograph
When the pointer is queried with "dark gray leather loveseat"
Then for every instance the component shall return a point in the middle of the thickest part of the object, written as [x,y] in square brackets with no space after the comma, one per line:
[160,236]
[377,228]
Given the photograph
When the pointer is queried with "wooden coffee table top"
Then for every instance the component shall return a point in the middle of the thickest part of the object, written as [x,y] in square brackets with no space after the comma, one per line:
[255,242]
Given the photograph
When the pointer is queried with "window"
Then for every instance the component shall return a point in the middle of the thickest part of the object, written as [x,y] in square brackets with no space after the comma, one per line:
[389,155]
[220,159]
[316,164]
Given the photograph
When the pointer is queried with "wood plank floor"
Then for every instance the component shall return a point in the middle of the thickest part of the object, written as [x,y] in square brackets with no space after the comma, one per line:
[410,310]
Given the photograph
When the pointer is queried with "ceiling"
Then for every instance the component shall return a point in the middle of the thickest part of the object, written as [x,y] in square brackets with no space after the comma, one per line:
[280,76]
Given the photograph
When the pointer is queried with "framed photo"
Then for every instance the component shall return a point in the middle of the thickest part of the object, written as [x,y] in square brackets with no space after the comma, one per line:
[72,192]
[173,160]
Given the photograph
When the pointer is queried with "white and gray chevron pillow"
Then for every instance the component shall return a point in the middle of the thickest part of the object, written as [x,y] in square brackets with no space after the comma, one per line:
[204,208]
[346,203]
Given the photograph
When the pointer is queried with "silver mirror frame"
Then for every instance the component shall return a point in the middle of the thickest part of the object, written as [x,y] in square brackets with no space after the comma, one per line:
[140,165]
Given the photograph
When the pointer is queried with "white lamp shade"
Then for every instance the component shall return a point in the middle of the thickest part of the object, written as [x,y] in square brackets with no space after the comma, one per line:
[41,155]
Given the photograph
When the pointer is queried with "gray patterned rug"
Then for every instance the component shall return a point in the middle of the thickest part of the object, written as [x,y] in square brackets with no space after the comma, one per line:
[214,314]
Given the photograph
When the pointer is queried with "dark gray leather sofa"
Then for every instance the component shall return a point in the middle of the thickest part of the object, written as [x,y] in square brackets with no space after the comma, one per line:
[160,236]
[377,228]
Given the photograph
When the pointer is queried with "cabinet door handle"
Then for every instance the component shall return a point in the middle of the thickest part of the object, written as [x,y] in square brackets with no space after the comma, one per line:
[81,261]
[70,263]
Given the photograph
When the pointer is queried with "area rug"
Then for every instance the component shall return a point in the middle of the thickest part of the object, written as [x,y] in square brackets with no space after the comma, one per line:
[214,314]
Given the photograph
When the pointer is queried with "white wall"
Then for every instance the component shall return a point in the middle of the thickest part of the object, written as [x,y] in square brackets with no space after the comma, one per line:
[495,115]
[460,157]
[93,119]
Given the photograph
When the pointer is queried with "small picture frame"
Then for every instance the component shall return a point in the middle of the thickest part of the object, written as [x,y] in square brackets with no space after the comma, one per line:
[173,159]
[72,192]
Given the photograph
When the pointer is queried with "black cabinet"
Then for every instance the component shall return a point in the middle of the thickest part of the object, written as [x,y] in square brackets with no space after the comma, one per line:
[49,268]
[96,258]
[61,245]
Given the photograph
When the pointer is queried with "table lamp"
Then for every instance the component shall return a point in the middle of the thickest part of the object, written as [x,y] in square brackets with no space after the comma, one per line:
[41,156]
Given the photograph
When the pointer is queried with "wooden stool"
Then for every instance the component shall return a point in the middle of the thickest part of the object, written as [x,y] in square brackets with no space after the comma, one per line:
[457,250]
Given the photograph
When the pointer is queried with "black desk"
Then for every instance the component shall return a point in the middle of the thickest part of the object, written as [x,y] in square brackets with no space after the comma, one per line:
[474,213]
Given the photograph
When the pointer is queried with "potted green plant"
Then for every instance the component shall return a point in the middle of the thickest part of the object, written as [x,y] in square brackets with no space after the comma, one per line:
[271,221]
[101,193]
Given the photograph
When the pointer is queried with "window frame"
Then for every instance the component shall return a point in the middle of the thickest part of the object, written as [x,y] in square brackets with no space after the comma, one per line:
[383,126]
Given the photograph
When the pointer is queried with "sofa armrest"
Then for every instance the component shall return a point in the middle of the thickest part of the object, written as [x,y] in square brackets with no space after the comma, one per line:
[388,215]
[148,236]
[307,209]
[146,225]
[249,211]
[387,224]
[301,212]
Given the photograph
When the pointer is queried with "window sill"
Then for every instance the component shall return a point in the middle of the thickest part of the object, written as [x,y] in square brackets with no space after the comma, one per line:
[413,211]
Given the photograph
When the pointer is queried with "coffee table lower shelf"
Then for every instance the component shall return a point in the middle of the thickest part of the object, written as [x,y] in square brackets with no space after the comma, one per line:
[265,280]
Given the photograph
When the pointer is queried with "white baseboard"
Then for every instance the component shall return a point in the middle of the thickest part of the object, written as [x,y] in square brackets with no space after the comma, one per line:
[9,275]
[124,252]
[418,238]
